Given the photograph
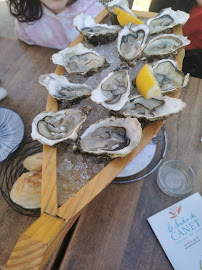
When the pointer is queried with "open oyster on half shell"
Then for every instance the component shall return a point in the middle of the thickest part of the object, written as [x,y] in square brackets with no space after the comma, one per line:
[95,33]
[168,76]
[121,4]
[80,60]
[115,137]
[152,109]
[53,127]
[60,88]
[131,41]
[164,45]
[166,19]
[113,91]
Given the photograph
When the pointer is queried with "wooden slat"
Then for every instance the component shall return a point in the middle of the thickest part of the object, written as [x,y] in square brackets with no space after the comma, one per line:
[37,243]
[144,14]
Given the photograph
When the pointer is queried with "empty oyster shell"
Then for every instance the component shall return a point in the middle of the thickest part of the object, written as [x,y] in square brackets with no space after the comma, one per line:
[95,33]
[121,4]
[80,60]
[152,109]
[166,19]
[164,46]
[168,76]
[115,137]
[113,91]
[60,88]
[26,191]
[131,41]
[54,127]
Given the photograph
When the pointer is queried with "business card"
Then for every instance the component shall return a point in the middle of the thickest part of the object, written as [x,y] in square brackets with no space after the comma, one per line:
[179,231]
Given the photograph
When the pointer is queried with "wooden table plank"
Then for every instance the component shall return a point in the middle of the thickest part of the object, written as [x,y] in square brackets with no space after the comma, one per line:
[20,67]
[113,232]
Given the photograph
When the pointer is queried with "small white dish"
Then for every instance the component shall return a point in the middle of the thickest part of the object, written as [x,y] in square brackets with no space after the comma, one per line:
[175,178]
[12,130]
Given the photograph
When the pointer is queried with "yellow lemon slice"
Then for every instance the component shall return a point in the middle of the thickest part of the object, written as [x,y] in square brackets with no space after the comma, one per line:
[125,18]
[117,10]
[147,84]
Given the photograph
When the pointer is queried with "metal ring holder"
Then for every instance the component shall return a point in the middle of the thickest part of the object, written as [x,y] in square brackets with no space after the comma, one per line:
[12,168]
[160,140]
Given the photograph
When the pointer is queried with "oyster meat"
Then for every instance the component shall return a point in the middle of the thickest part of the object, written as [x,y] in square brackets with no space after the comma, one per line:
[121,4]
[166,19]
[131,41]
[53,127]
[95,33]
[113,91]
[115,137]
[152,109]
[164,45]
[168,76]
[80,60]
[59,87]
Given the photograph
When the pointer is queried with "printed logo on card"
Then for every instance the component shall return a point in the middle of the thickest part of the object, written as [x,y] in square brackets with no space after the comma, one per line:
[174,211]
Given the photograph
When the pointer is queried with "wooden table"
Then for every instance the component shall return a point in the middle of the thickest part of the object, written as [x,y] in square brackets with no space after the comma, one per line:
[112,232]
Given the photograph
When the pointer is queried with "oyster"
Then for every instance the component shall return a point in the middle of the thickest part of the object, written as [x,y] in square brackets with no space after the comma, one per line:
[80,60]
[113,91]
[60,88]
[131,40]
[121,4]
[168,76]
[115,137]
[166,19]
[152,109]
[164,46]
[54,127]
[95,33]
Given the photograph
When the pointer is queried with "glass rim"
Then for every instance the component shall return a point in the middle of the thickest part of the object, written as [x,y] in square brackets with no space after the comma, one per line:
[170,192]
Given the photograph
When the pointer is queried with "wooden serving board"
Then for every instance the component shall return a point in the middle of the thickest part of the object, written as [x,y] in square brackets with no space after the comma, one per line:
[38,242]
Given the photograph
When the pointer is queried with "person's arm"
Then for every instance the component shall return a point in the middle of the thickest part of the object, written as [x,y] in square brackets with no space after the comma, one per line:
[21,34]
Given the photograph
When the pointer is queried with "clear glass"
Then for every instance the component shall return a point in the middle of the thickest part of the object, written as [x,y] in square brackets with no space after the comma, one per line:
[175,178]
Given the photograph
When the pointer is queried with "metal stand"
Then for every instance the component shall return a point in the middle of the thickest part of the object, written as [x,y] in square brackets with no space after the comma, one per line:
[161,142]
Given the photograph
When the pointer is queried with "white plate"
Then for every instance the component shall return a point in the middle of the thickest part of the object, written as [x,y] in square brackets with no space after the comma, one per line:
[12,131]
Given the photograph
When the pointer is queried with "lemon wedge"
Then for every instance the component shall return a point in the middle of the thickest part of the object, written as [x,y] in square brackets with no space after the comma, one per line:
[125,18]
[117,11]
[147,84]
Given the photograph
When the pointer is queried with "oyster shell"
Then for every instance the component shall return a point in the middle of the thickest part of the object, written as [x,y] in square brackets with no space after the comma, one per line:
[80,60]
[95,33]
[115,137]
[59,87]
[131,40]
[121,4]
[166,19]
[152,109]
[113,91]
[53,127]
[168,76]
[164,46]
